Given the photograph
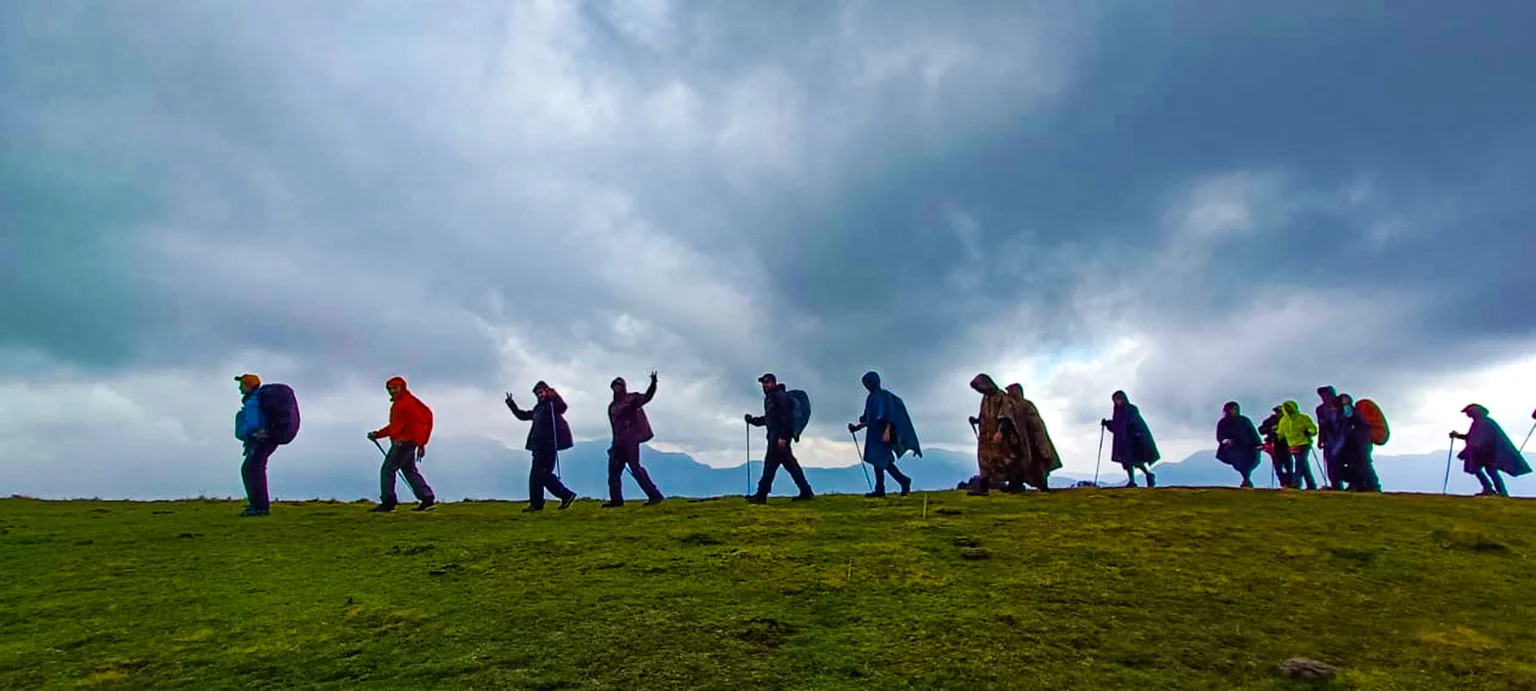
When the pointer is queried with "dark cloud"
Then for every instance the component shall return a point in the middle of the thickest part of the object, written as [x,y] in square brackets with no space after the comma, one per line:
[1262,197]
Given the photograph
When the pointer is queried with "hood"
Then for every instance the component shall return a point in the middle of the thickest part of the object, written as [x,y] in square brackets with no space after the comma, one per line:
[1290,408]
[871,381]
[984,384]
[397,381]
[1016,390]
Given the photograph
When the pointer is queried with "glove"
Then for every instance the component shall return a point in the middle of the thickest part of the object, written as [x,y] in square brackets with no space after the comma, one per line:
[852,428]
[372,436]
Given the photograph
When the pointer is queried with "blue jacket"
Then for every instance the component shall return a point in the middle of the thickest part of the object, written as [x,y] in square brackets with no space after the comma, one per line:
[248,420]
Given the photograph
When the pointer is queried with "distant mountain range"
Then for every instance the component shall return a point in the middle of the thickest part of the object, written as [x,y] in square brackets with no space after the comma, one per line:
[484,469]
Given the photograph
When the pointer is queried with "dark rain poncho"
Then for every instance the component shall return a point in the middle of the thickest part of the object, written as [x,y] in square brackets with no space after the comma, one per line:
[1243,453]
[881,408]
[1134,444]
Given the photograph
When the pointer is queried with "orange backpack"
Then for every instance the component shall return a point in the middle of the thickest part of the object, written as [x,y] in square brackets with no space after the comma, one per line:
[1371,412]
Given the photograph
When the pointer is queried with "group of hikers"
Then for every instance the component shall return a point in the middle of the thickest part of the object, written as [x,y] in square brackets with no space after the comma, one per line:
[1014,448]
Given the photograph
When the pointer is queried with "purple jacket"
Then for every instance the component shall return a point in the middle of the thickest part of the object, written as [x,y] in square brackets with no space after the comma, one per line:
[627,417]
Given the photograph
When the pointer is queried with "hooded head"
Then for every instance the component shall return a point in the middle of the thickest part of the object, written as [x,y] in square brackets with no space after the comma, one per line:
[983,384]
[1120,398]
[1016,390]
[248,383]
[1290,408]
[395,386]
[1475,411]
[1231,409]
[872,381]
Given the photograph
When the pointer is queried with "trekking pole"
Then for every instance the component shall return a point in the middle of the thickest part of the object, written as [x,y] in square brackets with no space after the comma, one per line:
[1527,439]
[1446,483]
[554,438]
[856,449]
[1100,458]
[1321,466]
[749,458]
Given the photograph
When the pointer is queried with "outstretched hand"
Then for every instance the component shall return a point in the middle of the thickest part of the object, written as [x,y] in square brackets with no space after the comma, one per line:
[653,376]
[372,436]
[511,403]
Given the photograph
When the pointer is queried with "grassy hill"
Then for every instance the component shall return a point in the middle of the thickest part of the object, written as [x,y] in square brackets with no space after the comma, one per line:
[1123,589]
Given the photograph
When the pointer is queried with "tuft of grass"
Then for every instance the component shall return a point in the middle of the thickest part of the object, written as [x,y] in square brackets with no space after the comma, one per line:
[1083,589]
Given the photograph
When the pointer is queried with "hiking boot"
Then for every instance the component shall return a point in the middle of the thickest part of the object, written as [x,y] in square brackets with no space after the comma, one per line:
[254,513]
[382,508]
[1151,480]
[566,502]
[655,501]
[612,504]
[756,499]
[906,487]
[426,505]
[875,495]
[804,496]
[532,509]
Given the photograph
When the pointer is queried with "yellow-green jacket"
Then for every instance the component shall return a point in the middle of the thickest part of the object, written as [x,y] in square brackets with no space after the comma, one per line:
[1295,427]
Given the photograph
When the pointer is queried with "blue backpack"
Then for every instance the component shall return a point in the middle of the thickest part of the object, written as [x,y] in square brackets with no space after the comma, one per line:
[802,411]
[281,409]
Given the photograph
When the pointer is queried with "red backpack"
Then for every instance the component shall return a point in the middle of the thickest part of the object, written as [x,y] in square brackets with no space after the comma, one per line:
[1371,413]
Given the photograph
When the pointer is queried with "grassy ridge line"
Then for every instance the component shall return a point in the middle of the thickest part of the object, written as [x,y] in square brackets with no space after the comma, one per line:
[1165,589]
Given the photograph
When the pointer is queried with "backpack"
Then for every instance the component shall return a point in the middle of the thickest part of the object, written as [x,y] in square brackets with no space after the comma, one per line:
[1372,415]
[802,411]
[281,409]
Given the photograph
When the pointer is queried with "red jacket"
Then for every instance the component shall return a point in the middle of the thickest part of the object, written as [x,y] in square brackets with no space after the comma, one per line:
[410,420]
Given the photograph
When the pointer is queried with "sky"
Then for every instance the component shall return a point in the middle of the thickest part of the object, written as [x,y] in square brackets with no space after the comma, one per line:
[1193,202]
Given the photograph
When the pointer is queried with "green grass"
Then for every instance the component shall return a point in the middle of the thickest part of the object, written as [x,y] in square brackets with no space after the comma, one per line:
[1161,589]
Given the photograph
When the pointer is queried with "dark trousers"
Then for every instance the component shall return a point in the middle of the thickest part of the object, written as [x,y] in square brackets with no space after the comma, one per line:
[1491,482]
[896,474]
[1339,470]
[402,459]
[1303,468]
[1362,471]
[781,456]
[628,455]
[253,472]
[1285,468]
[542,476]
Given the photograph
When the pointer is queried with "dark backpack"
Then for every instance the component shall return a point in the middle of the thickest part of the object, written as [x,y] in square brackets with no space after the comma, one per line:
[280,409]
[802,411]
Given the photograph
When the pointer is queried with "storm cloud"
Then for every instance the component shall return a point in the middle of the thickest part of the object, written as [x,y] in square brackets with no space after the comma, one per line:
[1188,202]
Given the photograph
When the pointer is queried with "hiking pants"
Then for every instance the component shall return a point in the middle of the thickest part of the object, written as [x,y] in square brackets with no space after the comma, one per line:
[1484,475]
[628,455]
[781,456]
[1285,468]
[402,459]
[1362,472]
[542,476]
[1303,465]
[1338,467]
[253,472]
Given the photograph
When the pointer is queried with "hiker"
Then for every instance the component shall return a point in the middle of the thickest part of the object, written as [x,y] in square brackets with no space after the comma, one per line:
[548,436]
[1356,449]
[1238,441]
[1041,458]
[1134,446]
[1296,432]
[250,428]
[1279,452]
[890,435]
[626,416]
[998,446]
[1489,451]
[408,431]
[1332,436]
[779,419]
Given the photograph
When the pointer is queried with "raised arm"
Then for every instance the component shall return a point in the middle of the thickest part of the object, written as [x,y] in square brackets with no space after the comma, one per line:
[519,413]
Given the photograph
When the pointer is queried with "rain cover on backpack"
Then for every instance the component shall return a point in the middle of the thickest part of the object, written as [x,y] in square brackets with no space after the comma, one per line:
[802,411]
[1373,416]
[281,409]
